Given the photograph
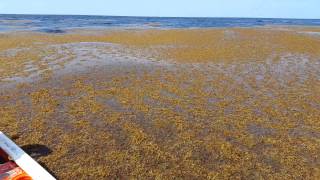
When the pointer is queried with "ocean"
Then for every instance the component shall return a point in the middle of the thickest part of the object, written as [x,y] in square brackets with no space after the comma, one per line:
[62,23]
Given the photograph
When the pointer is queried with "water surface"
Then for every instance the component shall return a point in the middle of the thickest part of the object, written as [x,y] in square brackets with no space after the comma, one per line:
[61,23]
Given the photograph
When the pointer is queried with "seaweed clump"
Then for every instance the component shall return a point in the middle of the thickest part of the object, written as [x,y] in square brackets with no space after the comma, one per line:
[216,114]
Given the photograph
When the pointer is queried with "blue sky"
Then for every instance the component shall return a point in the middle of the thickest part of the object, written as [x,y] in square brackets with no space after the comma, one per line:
[193,8]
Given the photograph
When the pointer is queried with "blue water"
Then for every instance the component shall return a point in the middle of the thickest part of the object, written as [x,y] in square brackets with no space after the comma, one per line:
[61,23]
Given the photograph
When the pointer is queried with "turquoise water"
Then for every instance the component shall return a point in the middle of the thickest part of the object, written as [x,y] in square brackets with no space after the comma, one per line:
[61,23]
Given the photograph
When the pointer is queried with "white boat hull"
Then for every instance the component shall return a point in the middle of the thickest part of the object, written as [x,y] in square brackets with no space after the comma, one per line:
[23,160]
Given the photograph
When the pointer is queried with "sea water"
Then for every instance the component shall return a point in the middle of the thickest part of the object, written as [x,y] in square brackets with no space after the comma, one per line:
[62,23]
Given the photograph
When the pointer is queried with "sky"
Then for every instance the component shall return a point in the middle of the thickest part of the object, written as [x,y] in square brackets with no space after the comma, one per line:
[169,8]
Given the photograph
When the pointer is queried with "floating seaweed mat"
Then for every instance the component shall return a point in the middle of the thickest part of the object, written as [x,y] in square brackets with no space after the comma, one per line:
[15,164]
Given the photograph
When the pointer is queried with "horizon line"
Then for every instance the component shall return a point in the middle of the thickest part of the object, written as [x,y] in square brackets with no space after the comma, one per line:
[36,14]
